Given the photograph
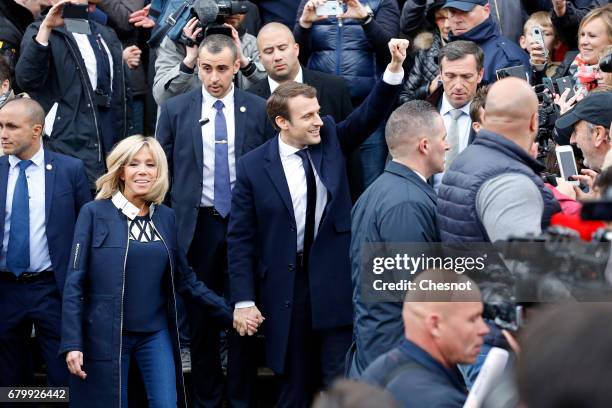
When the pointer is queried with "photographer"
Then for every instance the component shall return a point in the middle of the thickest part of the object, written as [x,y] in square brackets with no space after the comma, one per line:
[79,80]
[175,65]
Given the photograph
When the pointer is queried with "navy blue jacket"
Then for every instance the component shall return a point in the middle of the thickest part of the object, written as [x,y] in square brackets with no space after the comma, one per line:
[262,230]
[92,313]
[358,53]
[66,191]
[180,134]
[57,74]
[489,156]
[398,207]
[416,379]
[499,52]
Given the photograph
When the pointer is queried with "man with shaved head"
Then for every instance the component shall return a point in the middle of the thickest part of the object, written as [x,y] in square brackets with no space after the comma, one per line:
[441,329]
[41,193]
[398,207]
[493,189]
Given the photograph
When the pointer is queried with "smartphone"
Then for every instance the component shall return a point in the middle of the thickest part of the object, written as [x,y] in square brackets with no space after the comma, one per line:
[565,83]
[567,163]
[548,83]
[75,11]
[519,71]
[536,33]
[329,8]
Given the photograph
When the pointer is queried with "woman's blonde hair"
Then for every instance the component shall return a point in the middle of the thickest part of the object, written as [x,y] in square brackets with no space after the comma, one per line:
[109,183]
[605,13]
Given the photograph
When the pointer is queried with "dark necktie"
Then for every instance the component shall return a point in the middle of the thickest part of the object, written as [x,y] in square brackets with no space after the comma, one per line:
[102,62]
[311,202]
[223,192]
[18,251]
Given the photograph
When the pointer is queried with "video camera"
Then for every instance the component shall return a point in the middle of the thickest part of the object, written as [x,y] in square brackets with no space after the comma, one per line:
[548,113]
[210,14]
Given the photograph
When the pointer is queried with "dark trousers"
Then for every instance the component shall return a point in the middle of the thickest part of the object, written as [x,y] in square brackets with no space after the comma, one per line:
[208,258]
[314,358]
[22,305]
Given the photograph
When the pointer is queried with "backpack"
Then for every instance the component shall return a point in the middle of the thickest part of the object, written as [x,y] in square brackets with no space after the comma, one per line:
[170,17]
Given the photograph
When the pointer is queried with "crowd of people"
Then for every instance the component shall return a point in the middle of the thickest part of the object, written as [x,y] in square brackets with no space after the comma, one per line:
[206,204]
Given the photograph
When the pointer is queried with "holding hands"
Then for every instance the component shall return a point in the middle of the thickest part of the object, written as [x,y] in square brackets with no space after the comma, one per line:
[247,320]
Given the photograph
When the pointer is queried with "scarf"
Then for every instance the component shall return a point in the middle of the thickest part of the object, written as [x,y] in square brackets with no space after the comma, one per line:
[585,76]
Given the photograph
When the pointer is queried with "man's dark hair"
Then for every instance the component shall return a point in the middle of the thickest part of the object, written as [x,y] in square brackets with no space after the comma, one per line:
[278,102]
[415,117]
[218,42]
[457,50]
[354,394]
[5,71]
[565,357]
[479,101]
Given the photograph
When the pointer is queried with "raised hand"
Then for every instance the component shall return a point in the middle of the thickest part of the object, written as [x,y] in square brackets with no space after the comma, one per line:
[140,18]
[309,14]
[398,48]
[354,9]
[191,31]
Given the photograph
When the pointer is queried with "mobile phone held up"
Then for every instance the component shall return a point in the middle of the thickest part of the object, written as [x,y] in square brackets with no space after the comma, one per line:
[76,18]
[538,36]
[567,163]
[329,8]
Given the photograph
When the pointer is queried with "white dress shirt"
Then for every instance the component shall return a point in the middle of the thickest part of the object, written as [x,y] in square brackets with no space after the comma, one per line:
[208,143]
[296,180]
[299,78]
[89,58]
[464,124]
[35,175]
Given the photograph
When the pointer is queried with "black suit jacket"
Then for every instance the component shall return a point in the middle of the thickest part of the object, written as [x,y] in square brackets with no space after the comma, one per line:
[332,92]
[179,132]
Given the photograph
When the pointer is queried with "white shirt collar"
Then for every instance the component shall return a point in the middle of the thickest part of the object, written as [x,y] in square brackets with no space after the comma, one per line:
[38,159]
[284,149]
[447,107]
[299,78]
[209,100]
[126,207]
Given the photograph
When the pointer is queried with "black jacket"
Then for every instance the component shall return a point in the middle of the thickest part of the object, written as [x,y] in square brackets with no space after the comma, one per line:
[57,74]
[424,70]
[332,92]
[14,19]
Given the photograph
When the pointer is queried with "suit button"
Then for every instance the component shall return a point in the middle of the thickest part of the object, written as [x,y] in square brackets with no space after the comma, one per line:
[287,304]
[291,267]
[293,228]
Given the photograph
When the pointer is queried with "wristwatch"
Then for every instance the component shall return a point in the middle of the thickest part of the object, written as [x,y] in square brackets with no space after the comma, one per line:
[249,68]
[370,16]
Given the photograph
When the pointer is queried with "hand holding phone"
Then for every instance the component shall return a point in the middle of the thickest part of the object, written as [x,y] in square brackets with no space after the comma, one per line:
[538,37]
[567,163]
[329,8]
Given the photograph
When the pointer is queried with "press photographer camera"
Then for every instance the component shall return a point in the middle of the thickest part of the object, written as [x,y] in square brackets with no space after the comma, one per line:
[548,113]
[172,15]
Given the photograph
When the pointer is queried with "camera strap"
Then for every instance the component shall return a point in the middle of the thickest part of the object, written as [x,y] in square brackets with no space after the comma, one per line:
[172,18]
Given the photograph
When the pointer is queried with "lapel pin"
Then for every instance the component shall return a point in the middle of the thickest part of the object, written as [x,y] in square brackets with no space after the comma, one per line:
[242,109]
[49,167]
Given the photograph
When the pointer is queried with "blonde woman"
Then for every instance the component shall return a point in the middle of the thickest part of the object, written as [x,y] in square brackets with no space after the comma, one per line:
[125,270]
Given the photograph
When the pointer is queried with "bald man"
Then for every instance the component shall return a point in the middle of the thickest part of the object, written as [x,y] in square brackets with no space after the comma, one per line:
[441,329]
[278,52]
[493,189]
[400,206]
[41,193]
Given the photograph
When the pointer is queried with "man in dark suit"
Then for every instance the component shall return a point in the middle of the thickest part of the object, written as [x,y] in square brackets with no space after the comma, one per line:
[204,132]
[398,207]
[461,71]
[41,193]
[278,52]
[289,233]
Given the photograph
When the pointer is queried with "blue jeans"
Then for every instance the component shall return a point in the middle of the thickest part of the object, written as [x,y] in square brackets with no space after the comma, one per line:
[153,354]
[373,153]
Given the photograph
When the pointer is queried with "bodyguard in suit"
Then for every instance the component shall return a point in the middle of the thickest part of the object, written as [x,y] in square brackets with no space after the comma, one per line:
[289,233]
[461,71]
[278,52]
[400,206]
[204,132]
[41,193]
